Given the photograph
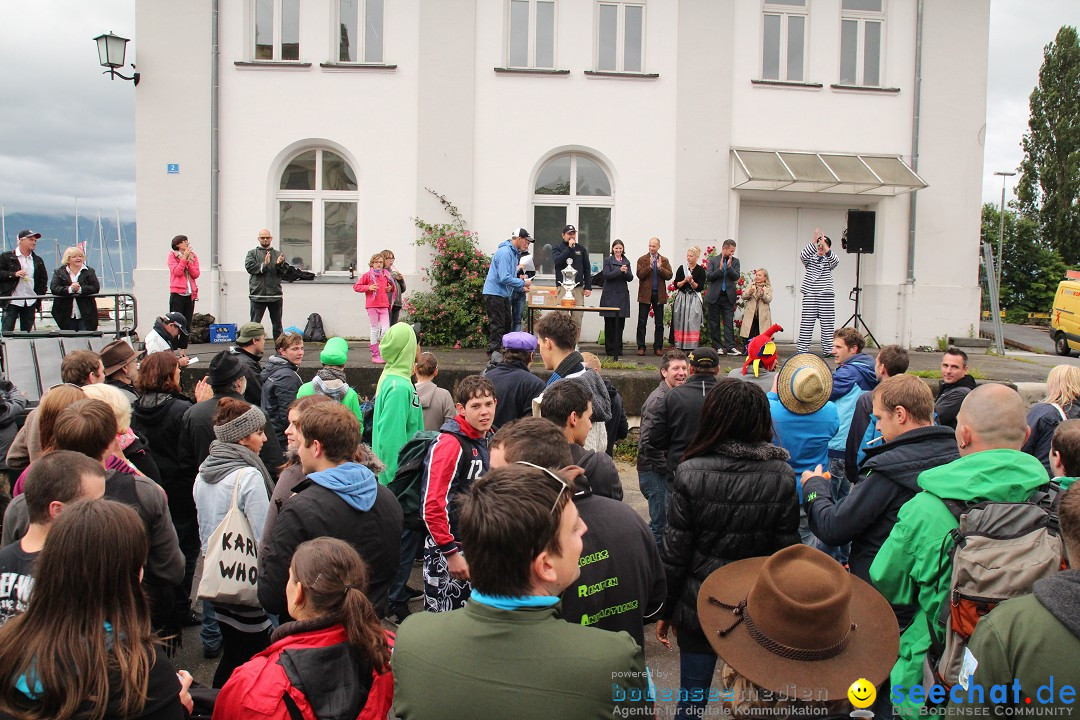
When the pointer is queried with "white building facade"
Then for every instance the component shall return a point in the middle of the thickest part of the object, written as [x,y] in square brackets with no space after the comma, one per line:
[689,120]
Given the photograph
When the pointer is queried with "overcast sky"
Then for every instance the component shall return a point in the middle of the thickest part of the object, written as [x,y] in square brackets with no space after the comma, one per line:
[67,131]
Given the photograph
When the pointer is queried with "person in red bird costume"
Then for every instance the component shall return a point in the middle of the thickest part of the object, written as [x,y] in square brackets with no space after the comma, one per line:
[761,351]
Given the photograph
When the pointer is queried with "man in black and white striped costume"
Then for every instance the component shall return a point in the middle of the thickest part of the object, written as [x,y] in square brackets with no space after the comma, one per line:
[819,297]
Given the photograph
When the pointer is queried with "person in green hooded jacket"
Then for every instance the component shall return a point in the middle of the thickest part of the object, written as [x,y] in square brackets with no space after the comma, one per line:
[911,569]
[398,413]
[331,382]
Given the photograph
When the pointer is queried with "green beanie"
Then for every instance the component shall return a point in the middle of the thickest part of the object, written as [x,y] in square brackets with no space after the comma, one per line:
[336,352]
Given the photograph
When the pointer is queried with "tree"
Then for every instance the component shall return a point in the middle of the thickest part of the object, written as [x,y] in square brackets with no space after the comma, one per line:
[1030,268]
[1049,188]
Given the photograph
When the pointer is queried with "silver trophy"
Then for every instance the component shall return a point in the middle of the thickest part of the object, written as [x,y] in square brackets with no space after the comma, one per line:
[569,282]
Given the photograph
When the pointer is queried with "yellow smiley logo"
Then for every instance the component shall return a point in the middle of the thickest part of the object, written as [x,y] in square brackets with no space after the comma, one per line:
[862,693]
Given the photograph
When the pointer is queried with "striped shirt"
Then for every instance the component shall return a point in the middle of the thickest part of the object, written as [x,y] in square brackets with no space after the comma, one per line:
[818,278]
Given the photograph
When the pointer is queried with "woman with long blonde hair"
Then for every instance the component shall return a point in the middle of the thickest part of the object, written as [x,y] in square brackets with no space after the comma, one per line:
[1060,404]
[757,311]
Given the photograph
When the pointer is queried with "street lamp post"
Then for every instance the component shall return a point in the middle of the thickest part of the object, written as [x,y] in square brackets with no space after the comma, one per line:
[111,50]
[1001,230]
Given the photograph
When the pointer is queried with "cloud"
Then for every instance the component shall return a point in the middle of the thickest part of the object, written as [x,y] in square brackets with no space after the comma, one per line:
[1019,30]
[65,129]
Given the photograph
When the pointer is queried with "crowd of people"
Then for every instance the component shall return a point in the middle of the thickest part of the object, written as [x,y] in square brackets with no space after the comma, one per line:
[798,539]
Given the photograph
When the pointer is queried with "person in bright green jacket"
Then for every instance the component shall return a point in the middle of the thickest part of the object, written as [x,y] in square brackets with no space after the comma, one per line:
[330,381]
[398,413]
[911,567]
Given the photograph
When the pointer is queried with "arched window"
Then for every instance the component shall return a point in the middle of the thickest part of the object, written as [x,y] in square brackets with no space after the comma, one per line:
[572,189]
[317,202]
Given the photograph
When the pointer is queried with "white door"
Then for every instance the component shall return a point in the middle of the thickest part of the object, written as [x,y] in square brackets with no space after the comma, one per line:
[772,237]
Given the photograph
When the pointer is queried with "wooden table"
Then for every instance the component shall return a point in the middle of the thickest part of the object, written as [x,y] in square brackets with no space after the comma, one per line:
[575,308]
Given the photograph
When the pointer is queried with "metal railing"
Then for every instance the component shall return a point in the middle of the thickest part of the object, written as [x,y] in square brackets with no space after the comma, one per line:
[125,316]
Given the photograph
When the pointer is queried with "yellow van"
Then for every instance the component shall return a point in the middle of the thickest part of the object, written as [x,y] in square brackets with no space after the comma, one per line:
[1065,318]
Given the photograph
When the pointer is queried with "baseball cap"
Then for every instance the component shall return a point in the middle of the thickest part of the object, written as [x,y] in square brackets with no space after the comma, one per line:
[29,234]
[569,229]
[520,341]
[521,233]
[704,358]
[250,331]
[179,319]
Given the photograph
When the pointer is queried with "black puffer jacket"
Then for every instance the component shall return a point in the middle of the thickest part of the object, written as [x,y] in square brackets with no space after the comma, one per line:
[280,383]
[737,502]
[158,417]
[888,478]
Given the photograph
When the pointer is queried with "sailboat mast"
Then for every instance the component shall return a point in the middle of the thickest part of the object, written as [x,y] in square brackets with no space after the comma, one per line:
[101,244]
[76,219]
[120,246]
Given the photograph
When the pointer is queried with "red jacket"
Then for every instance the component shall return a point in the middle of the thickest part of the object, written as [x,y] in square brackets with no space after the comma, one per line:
[317,669]
[179,272]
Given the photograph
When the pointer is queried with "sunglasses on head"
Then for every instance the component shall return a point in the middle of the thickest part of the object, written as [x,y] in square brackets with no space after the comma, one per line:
[563,485]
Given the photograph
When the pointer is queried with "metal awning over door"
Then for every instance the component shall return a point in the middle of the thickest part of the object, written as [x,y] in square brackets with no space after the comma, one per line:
[756,169]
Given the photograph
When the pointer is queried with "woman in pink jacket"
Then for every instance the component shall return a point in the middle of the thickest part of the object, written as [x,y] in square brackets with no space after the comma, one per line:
[183,271]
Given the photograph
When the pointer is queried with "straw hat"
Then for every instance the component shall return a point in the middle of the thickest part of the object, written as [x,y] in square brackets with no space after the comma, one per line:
[804,384]
[797,619]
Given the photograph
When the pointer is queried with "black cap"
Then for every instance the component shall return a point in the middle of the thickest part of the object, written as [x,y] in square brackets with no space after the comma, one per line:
[29,234]
[521,233]
[568,229]
[179,319]
[703,358]
[224,368]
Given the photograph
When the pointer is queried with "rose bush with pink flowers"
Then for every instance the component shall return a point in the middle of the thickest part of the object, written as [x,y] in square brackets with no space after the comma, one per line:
[451,312]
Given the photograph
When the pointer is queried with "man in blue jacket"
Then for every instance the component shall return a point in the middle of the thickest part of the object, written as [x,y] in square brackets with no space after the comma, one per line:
[854,375]
[501,282]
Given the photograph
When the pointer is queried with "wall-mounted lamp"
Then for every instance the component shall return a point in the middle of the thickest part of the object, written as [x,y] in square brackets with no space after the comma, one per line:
[111,49]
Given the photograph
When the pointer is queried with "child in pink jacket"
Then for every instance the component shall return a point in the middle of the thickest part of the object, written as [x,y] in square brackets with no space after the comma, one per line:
[378,286]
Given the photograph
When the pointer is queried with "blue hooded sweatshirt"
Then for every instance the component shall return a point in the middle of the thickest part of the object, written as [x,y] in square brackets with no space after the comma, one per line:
[850,380]
[352,482]
[502,277]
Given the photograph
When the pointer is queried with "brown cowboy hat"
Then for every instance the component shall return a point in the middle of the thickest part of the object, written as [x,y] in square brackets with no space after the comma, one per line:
[796,621]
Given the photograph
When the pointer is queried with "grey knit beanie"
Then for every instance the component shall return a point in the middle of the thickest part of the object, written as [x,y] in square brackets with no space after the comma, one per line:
[236,430]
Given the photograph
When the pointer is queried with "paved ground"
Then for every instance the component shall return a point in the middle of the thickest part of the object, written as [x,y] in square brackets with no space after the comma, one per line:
[1017,365]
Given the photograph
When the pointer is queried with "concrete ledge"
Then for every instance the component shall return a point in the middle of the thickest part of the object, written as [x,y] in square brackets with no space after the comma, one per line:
[970,342]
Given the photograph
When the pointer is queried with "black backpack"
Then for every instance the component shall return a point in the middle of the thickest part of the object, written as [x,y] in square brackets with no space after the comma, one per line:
[409,479]
[313,331]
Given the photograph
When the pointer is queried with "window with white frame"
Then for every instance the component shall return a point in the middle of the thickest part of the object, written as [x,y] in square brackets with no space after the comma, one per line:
[862,23]
[360,31]
[317,203]
[783,40]
[277,29]
[572,189]
[530,40]
[620,36]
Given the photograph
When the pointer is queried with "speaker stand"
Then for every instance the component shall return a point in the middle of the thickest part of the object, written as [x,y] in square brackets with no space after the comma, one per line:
[856,318]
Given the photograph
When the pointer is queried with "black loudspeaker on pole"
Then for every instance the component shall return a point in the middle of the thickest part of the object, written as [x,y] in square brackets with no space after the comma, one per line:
[859,236]
[859,240]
